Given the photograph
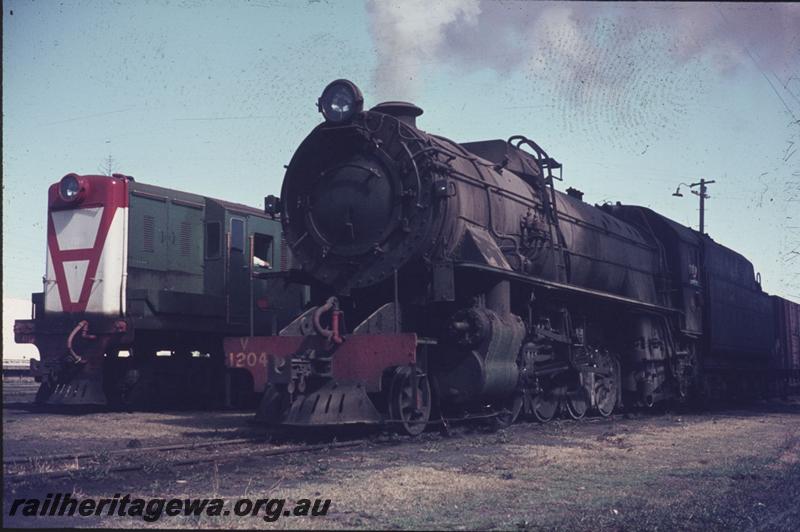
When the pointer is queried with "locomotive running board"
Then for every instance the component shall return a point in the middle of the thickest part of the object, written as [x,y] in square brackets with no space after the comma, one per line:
[577,290]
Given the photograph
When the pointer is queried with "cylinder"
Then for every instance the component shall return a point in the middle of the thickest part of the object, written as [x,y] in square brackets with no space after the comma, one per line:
[498,298]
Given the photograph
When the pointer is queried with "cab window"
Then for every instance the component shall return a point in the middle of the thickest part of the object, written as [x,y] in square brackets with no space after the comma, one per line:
[213,240]
[237,235]
[262,251]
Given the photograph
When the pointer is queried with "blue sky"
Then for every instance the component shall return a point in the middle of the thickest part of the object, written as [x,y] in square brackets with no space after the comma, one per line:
[213,96]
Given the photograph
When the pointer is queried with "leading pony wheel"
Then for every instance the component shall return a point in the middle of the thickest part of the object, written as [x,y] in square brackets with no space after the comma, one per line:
[409,412]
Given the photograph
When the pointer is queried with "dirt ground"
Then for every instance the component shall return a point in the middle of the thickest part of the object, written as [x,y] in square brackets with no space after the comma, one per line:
[737,468]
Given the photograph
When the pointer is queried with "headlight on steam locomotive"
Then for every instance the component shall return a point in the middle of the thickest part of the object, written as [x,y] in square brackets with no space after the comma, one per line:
[69,188]
[340,101]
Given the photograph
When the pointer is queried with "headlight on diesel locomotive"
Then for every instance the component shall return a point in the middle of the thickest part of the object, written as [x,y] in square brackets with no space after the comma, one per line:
[340,101]
[69,188]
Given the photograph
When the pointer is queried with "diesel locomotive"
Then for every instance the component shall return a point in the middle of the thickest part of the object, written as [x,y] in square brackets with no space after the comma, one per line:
[453,279]
[141,286]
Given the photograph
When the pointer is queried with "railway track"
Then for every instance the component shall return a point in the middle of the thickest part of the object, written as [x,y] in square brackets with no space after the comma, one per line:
[21,469]
[161,448]
[24,469]
[18,469]
[48,467]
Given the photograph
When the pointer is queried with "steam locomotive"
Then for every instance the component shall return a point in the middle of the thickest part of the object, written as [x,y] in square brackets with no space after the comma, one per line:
[142,284]
[454,278]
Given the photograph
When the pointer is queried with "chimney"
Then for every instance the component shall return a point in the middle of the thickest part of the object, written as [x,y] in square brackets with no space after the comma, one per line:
[404,111]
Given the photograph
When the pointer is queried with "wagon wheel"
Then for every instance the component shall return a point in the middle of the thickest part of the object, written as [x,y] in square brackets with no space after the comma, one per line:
[544,404]
[410,417]
[509,411]
[577,401]
[606,383]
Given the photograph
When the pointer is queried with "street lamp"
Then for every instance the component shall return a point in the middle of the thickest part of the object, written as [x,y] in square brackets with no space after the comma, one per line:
[677,192]
[702,193]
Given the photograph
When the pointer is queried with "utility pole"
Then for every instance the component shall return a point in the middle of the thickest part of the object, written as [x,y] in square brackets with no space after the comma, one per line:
[703,193]
[108,166]
[703,197]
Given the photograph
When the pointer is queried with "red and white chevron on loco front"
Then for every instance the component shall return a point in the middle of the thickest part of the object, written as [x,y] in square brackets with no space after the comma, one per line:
[86,245]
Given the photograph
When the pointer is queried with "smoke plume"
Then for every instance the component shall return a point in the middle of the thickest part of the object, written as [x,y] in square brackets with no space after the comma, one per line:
[600,42]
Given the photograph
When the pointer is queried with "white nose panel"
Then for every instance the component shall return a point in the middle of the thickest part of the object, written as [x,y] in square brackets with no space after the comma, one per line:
[75,273]
[77,229]
[52,299]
